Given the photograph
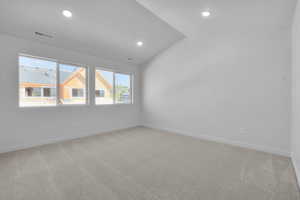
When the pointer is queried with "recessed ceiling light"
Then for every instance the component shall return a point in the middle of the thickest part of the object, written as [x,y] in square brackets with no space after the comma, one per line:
[139,43]
[205,14]
[67,13]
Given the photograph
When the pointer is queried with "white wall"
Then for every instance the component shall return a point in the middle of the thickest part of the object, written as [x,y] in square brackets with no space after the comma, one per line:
[295,137]
[227,86]
[24,127]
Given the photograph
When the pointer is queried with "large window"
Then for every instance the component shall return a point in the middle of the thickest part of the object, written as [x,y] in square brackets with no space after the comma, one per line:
[38,83]
[112,88]
[72,84]
[104,87]
[122,88]
[36,79]
[47,82]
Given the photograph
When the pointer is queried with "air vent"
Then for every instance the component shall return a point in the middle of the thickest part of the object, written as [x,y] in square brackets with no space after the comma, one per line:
[43,35]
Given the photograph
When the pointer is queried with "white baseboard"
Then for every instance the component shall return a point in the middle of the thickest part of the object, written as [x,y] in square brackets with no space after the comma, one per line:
[296,168]
[58,139]
[226,141]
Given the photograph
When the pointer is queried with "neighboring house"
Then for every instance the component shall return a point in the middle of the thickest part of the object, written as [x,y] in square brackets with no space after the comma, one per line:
[37,85]
[72,86]
[103,90]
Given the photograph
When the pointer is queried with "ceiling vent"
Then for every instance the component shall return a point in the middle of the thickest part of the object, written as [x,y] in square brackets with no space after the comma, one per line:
[43,35]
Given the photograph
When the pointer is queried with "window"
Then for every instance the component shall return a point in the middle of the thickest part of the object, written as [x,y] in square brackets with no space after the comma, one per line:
[112,88]
[49,92]
[33,92]
[28,92]
[72,84]
[77,92]
[123,88]
[38,82]
[46,82]
[104,87]
[34,75]
[100,93]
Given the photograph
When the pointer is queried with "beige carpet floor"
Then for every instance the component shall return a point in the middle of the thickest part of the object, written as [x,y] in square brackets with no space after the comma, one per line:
[145,164]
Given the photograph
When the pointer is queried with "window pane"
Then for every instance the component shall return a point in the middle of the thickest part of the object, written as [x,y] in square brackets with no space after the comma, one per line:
[34,75]
[122,87]
[77,92]
[72,84]
[103,87]
[49,92]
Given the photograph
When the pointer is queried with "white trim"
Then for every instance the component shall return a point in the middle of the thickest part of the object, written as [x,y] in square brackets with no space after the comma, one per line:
[114,72]
[57,85]
[60,139]
[87,86]
[130,91]
[225,141]
[90,97]
[114,88]
[85,89]
[296,168]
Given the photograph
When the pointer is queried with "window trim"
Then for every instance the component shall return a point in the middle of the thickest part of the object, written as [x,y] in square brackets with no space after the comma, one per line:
[18,84]
[90,83]
[131,90]
[86,90]
[131,74]
[113,89]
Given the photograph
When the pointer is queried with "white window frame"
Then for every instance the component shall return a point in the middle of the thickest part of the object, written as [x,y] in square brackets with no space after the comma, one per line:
[58,62]
[114,86]
[18,85]
[86,89]
[131,90]
[90,73]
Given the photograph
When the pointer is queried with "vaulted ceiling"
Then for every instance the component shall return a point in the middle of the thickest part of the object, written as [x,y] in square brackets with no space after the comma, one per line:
[227,16]
[104,28]
[111,28]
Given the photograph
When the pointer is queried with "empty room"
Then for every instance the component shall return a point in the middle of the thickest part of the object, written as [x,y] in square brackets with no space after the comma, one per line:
[149,100]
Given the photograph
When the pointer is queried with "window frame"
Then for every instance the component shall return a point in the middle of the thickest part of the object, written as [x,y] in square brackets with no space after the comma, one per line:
[131,75]
[90,72]
[130,91]
[86,90]
[113,88]
[18,84]
[57,97]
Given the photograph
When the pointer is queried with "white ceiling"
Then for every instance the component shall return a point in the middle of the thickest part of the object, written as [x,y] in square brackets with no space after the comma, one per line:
[105,28]
[227,16]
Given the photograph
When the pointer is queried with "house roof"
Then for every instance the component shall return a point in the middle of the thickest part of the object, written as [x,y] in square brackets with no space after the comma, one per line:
[41,75]
[48,76]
